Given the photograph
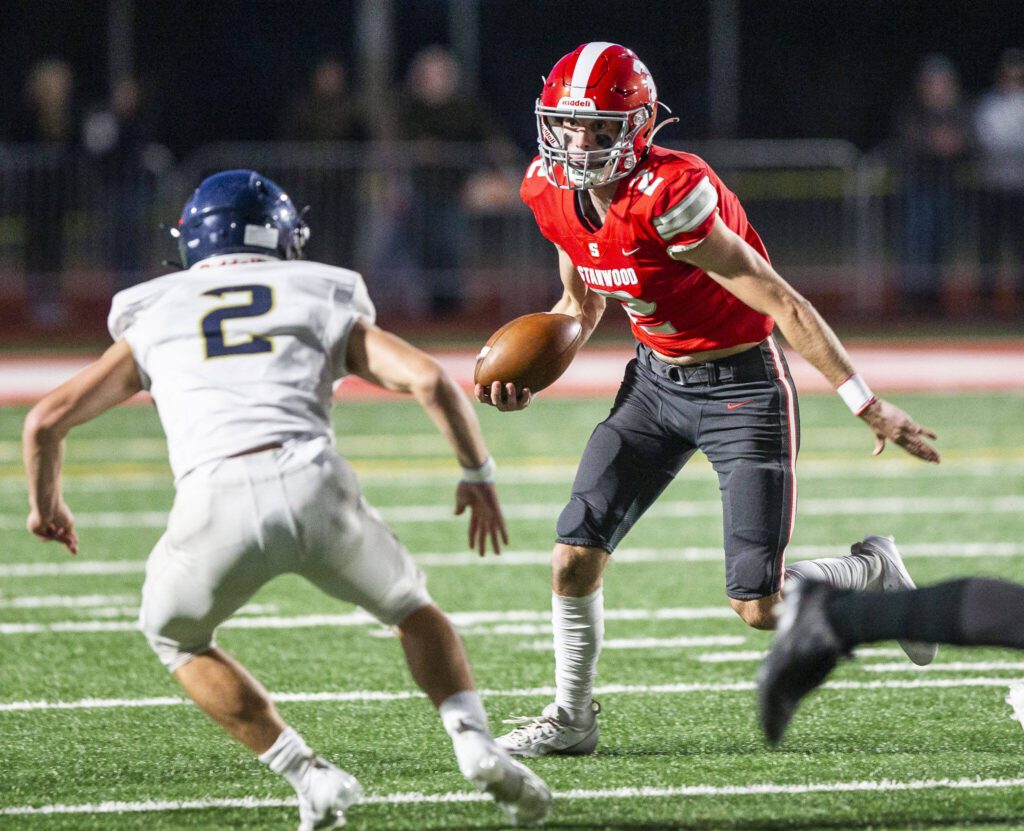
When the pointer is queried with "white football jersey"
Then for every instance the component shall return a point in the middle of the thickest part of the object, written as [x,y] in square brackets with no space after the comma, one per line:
[240,350]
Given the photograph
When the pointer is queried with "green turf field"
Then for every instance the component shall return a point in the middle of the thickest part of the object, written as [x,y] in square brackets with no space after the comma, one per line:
[889,747]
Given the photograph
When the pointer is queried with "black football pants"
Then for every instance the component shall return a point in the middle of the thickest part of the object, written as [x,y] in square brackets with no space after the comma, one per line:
[741,412]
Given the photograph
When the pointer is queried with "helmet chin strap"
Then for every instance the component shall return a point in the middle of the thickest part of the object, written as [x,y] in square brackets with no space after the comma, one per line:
[657,128]
[587,178]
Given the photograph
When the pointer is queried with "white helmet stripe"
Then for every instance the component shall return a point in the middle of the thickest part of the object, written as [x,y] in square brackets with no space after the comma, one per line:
[584,66]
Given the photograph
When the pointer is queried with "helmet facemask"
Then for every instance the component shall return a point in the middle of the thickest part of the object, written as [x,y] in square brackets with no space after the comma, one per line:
[586,169]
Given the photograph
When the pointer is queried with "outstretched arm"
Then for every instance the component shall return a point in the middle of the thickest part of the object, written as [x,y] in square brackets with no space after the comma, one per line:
[740,269]
[388,361]
[97,388]
[576,301]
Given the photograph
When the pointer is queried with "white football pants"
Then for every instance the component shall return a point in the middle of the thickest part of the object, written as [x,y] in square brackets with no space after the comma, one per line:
[239,522]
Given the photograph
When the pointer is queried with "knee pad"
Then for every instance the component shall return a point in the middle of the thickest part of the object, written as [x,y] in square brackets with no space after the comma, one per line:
[578,524]
[404,599]
[172,654]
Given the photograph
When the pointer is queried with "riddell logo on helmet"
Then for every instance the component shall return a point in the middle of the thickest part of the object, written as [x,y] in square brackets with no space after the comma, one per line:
[577,103]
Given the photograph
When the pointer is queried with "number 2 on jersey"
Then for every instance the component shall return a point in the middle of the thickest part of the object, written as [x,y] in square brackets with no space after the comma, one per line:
[212,325]
[636,307]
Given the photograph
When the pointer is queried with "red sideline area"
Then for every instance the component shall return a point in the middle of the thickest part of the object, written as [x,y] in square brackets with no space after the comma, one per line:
[889,368]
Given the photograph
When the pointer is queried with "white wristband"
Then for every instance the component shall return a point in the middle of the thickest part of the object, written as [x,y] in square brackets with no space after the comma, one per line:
[484,473]
[856,394]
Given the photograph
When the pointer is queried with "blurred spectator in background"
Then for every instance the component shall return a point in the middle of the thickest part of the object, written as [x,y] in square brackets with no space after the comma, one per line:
[999,128]
[118,138]
[49,121]
[429,229]
[326,111]
[933,131]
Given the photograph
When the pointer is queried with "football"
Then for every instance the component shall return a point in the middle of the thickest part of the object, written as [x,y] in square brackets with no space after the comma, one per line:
[531,351]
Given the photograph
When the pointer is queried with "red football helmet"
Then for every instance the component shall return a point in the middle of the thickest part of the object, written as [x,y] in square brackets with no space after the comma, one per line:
[597,81]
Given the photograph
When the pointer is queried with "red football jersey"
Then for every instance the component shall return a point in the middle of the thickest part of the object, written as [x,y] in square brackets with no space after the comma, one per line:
[668,205]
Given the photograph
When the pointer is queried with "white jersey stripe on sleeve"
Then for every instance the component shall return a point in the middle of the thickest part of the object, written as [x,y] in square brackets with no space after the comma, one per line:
[584,66]
[688,214]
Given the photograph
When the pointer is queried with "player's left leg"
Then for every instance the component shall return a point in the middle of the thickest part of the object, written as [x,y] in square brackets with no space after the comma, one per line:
[749,430]
[750,433]
[224,690]
[217,552]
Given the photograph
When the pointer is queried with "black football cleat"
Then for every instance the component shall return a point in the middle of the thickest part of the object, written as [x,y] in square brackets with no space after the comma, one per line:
[806,649]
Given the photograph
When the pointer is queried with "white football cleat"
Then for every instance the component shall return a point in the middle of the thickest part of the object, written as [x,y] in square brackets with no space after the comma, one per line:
[895,577]
[551,733]
[519,792]
[327,793]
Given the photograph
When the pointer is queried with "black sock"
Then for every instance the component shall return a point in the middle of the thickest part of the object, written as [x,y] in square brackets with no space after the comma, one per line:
[970,612]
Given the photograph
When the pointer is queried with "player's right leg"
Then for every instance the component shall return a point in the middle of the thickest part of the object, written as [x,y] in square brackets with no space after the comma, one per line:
[629,460]
[439,665]
[568,726]
[351,554]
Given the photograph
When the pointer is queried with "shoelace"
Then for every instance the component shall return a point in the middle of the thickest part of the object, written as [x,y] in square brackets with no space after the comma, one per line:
[533,727]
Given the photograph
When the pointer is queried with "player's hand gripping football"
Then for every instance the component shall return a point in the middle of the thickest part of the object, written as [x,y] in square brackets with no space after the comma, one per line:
[503,396]
[485,518]
[56,524]
[890,423]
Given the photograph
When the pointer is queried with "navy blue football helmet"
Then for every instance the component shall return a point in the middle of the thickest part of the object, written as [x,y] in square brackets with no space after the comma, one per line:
[239,211]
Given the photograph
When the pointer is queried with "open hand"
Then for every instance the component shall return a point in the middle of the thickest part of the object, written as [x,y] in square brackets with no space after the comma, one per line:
[890,423]
[485,518]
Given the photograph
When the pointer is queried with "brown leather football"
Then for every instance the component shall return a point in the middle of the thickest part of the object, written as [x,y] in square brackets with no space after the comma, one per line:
[531,351]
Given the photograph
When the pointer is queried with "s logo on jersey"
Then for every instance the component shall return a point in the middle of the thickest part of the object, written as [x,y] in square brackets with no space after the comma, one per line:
[593,250]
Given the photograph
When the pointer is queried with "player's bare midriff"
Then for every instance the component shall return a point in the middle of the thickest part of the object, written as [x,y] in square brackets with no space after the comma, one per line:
[274,445]
[703,357]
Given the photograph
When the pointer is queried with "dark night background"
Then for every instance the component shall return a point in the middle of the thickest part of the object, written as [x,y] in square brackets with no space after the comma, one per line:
[223,70]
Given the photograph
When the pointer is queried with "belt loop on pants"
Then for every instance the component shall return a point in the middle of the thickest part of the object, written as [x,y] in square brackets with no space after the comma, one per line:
[691,375]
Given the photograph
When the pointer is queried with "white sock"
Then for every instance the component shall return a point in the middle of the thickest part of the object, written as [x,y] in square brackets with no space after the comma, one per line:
[463,711]
[463,716]
[289,756]
[854,571]
[578,625]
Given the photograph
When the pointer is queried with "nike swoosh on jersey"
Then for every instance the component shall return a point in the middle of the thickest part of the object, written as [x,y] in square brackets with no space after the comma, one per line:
[626,253]
[736,405]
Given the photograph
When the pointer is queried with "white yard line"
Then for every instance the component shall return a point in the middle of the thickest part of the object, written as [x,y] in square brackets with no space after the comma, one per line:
[374,475]
[533,692]
[361,618]
[949,666]
[969,550]
[401,514]
[651,643]
[649,792]
[71,567]
[84,601]
[753,656]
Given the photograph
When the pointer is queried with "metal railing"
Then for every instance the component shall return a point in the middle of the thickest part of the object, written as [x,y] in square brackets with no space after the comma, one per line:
[439,227]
